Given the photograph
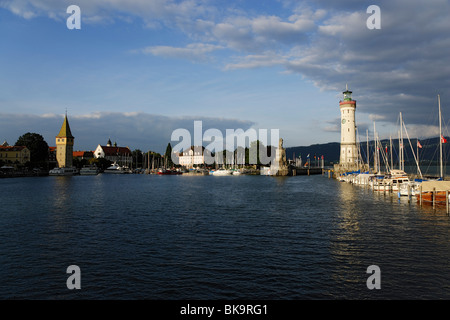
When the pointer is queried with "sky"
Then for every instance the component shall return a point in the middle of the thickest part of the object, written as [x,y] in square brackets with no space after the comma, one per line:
[138,70]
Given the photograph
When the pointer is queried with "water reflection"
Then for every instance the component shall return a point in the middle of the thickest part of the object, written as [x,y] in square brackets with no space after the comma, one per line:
[250,237]
[60,192]
[60,205]
[346,238]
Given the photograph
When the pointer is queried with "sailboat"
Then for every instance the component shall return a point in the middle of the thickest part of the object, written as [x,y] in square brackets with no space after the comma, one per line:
[436,191]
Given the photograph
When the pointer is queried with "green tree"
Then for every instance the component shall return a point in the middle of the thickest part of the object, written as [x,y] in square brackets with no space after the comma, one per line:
[137,155]
[37,146]
[168,156]
[101,163]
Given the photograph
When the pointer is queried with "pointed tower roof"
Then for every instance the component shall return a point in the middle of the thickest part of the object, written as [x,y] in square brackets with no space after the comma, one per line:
[65,129]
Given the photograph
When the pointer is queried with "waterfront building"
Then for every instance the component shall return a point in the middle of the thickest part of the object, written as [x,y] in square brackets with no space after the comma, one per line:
[80,155]
[192,156]
[114,153]
[349,155]
[52,157]
[14,154]
[64,145]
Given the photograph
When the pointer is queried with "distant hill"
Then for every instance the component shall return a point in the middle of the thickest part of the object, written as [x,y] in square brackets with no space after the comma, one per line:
[429,153]
[330,151]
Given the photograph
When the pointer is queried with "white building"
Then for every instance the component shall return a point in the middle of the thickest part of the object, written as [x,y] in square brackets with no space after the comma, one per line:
[349,151]
[192,156]
[113,153]
[349,156]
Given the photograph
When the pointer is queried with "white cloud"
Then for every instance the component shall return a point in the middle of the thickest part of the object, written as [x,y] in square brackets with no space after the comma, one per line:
[400,67]
[193,51]
[96,11]
[267,59]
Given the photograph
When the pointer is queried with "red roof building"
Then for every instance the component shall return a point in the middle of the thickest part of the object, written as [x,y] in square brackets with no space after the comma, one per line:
[113,153]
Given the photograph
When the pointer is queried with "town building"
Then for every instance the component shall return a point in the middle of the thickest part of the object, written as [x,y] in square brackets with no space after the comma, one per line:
[64,145]
[52,156]
[192,156]
[83,155]
[14,154]
[120,155]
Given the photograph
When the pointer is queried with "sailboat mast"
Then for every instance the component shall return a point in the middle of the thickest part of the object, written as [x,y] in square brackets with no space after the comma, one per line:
[392,159]
[367,145]
[417,147]
[375,153]
[440,139]
[402,163]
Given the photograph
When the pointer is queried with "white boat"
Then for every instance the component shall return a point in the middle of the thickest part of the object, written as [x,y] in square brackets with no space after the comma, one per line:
[221,172]
[116,169]
[236,173]
[89,171]
[396,180]
[409,189]
[390,182]
[63,171]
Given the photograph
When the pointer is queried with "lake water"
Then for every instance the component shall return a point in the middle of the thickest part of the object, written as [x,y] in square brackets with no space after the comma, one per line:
[205,237]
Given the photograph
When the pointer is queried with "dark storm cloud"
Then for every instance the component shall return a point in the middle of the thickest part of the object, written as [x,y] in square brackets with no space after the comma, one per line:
[135,130]
[401,67]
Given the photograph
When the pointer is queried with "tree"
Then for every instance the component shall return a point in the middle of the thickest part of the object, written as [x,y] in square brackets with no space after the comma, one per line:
[137,155]
[37,146]
[101,163]
[168,156]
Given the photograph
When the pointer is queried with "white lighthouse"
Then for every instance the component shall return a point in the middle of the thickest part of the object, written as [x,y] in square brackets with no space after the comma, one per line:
[349,151]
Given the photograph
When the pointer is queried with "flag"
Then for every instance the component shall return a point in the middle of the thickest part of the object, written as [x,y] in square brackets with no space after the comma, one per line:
[418,144]
[443,140]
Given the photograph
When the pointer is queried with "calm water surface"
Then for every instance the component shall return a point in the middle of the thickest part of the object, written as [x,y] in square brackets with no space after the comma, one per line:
[206,237]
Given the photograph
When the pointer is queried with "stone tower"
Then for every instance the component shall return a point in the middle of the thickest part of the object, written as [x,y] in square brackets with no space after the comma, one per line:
[64,145]
[349,151]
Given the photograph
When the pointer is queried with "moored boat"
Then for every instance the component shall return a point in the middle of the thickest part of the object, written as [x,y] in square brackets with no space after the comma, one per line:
[433,191]
[163,171]
[117,169]
[221,172]
[63,171]
[89,171]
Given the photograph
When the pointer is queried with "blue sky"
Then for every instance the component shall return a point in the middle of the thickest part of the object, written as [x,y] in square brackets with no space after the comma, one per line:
[137,70]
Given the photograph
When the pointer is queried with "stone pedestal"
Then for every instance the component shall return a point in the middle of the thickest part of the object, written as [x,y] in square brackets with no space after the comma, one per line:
[280,167]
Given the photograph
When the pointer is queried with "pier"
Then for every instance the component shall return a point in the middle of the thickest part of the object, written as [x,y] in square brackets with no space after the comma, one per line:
[296,171]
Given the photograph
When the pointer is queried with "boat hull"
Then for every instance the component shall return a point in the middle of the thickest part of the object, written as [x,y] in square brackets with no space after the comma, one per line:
[439,197]
[63,172]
